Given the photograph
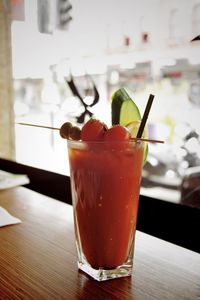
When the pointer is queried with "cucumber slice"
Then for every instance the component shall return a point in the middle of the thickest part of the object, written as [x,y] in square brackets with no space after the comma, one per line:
[129,112]
[124,111]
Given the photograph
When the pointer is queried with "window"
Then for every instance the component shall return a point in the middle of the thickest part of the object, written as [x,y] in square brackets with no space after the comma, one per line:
[196,20]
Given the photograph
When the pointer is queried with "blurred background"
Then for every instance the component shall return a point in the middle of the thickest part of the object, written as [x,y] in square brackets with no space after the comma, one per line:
[99,46]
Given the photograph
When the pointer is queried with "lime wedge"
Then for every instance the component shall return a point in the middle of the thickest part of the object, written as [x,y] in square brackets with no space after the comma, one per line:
[125,112]
[133,128]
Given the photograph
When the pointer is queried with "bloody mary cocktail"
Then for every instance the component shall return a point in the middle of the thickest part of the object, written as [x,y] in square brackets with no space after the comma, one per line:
[105,182]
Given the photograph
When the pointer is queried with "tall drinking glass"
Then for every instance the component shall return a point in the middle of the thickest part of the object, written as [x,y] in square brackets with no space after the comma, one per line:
[105,184]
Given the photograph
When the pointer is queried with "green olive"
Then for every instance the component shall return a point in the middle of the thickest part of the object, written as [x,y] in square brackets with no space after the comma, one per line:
[75,133]
[65,130]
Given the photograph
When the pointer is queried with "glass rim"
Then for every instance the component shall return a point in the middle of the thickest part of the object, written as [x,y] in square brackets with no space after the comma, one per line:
[131,142]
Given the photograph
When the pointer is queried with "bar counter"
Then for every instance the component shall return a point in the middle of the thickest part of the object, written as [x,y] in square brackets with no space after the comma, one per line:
[38,258]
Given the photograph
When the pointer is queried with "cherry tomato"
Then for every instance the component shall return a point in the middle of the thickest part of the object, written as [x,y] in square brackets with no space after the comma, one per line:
[93,130]
[117,133]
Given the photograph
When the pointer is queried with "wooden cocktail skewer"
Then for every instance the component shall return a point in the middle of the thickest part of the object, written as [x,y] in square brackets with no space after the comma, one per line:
[147,140]
[55,128]
[36,125]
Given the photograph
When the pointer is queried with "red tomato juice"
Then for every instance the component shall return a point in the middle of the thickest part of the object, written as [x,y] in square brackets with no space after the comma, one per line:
[105,183]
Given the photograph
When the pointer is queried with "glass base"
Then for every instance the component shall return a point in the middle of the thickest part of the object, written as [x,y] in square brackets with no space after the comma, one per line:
[106,274]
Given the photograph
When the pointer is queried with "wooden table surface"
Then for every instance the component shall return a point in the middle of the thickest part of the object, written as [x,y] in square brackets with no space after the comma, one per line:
[38,258]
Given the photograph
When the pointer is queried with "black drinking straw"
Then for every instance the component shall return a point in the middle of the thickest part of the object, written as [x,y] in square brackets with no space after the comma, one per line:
[145,116]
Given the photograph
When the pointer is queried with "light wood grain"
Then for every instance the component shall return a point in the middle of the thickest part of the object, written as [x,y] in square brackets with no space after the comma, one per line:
[38,258]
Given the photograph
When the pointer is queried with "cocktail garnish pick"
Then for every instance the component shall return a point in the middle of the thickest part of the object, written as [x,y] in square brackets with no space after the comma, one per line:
[36,125]
[55,128]
[145,116]
[148,140]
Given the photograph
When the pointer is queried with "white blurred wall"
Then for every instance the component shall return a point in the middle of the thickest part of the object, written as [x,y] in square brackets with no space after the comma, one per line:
[98,26]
